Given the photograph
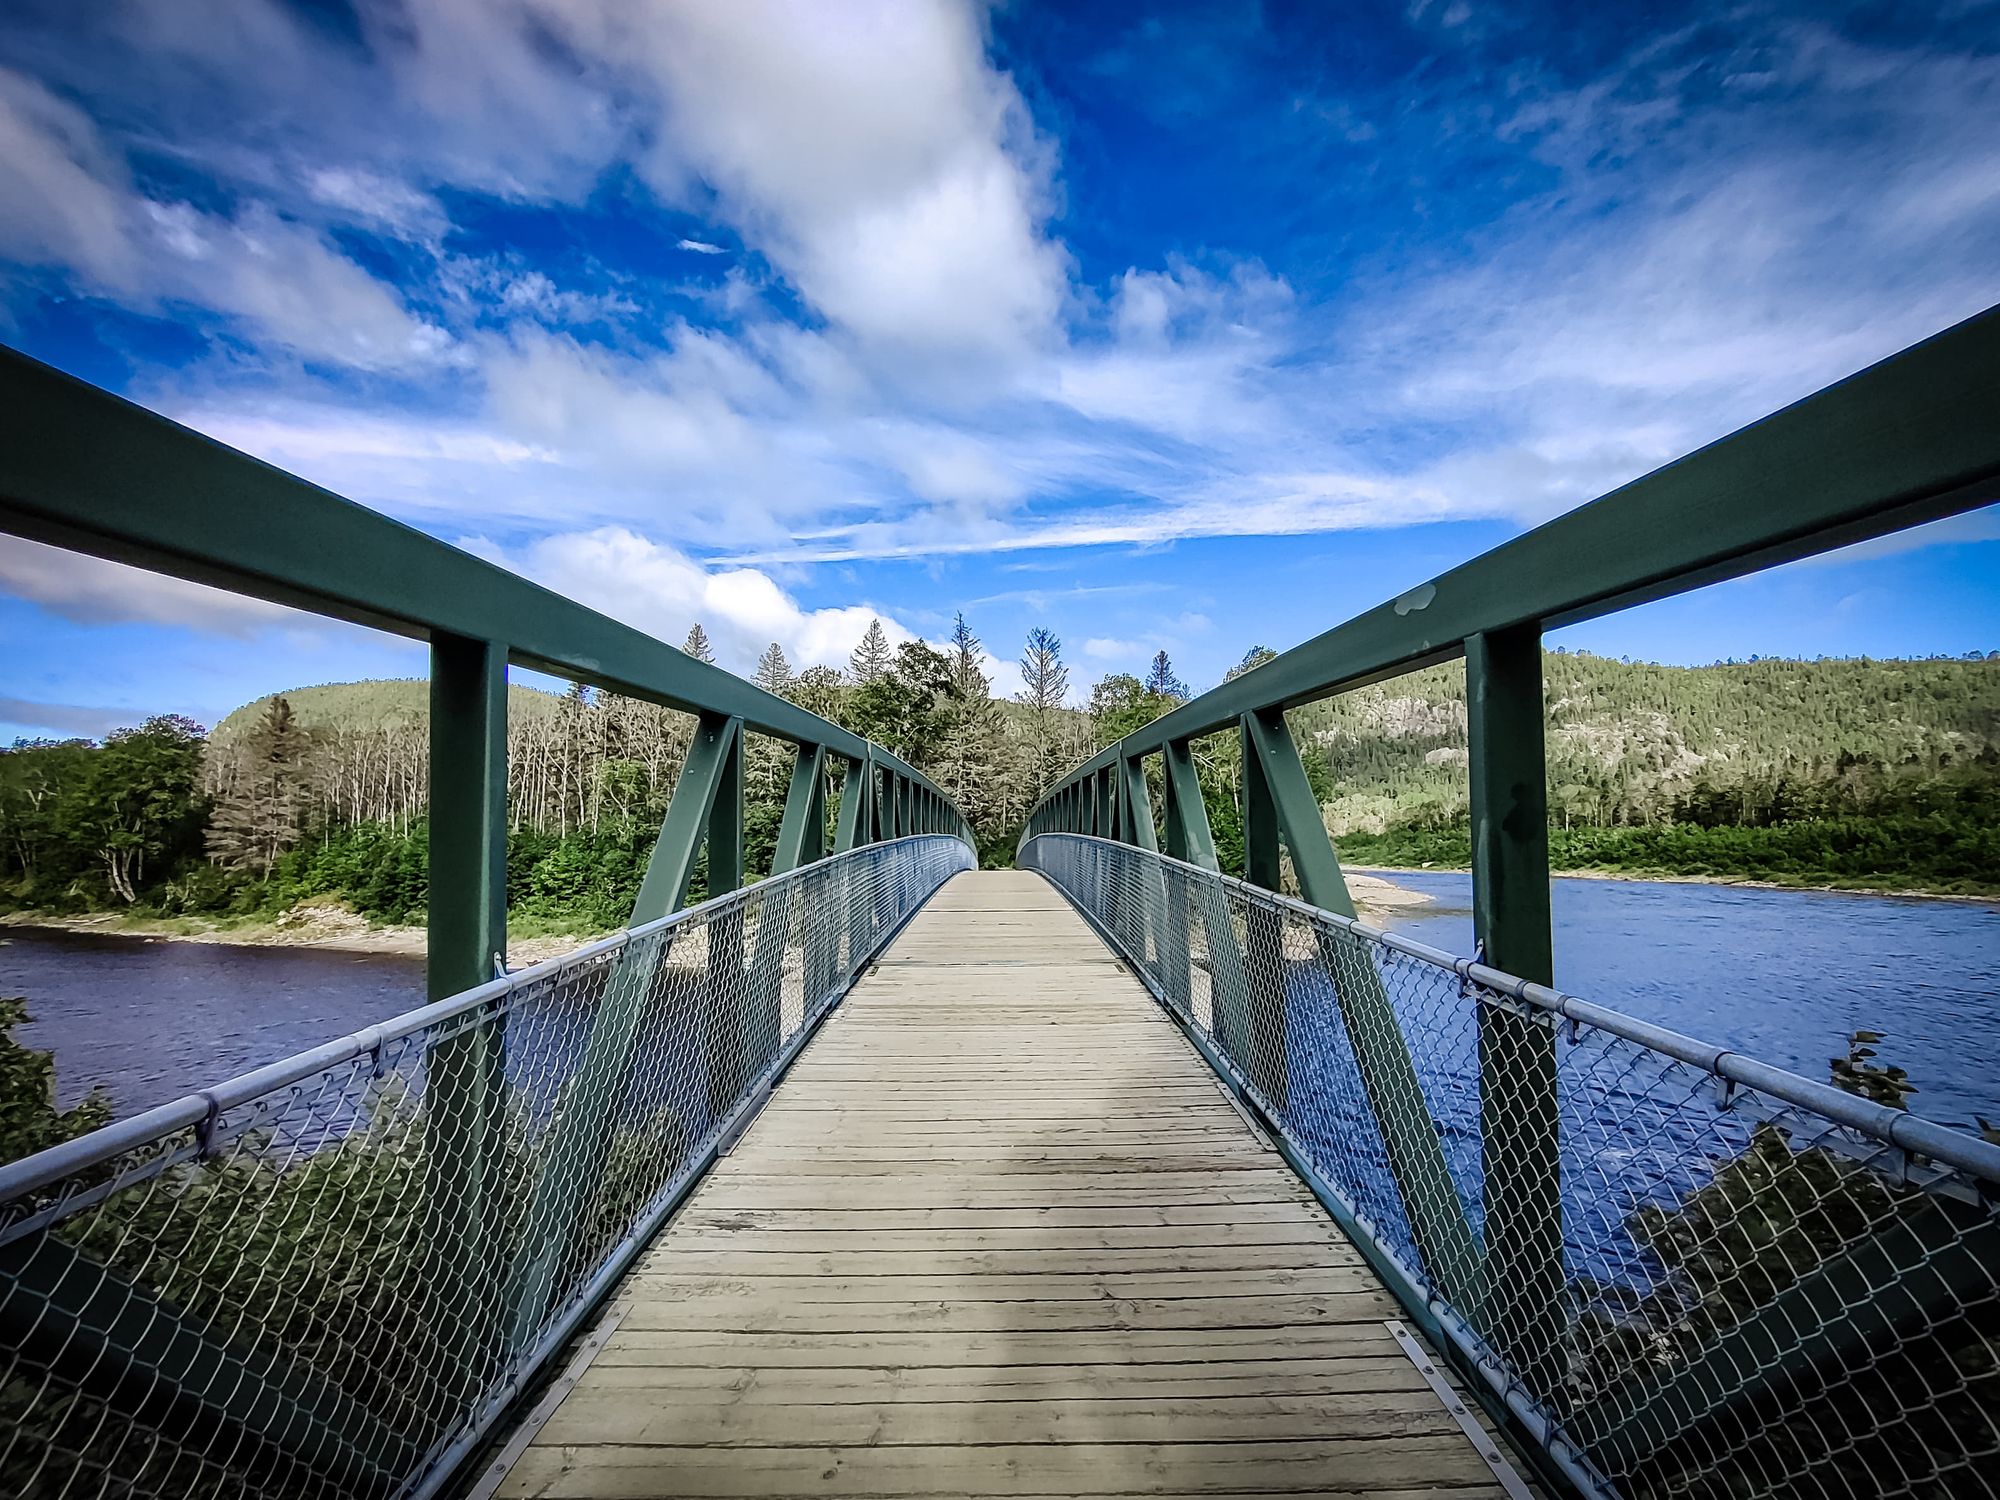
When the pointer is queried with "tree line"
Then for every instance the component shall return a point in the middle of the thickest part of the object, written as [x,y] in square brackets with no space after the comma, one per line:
[1850,771]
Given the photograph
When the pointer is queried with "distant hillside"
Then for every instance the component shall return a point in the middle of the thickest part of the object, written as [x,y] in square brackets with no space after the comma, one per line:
[1635,742]
[384,703]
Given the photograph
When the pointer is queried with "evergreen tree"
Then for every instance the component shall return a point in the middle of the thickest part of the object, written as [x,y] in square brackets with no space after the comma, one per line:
[1162,683]
[1044,685]
[697,644]
[774,673]
[1255,657]
[872,659]
[972,767]
[262,813]
[966,677]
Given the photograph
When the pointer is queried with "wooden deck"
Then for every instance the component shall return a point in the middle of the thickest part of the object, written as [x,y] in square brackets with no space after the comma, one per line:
[999,1233]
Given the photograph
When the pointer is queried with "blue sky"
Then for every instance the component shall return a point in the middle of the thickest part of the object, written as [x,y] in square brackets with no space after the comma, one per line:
[1186,327]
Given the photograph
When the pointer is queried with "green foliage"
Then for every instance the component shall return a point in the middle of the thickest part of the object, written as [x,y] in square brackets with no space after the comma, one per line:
[1766,1220]
[1855,1074]
[29,1119]
[260,811]
[85,826]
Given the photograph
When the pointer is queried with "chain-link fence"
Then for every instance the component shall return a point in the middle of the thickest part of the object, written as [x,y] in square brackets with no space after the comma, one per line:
[1685,1272]
[329,1277]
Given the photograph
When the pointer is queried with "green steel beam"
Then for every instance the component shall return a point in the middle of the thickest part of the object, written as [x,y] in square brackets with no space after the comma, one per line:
[1285,798]
[1905,441]
[83,469]
[705,808]
[468,814]
[1188,834]
[802,830]
[1518,1107]
[467,917]
[700,792]
[1278,800]
[1138,806]
[725,822]
[852,822]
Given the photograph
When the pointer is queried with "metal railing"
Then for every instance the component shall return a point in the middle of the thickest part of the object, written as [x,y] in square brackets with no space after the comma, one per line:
[329,1277]
[1762,1285]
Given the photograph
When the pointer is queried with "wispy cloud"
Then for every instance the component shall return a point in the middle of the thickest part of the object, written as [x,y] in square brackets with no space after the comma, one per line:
[907,359]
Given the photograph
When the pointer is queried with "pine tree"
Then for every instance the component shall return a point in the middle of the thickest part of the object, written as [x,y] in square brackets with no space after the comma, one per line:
[972,769]
[967,680]
[1254,658]
[1161,681]
[871,659]
[697,644]
[774,673]
[261,814]
[1045,683]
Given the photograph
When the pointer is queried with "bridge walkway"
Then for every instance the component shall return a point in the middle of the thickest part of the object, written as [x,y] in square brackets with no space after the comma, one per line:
[999,1232]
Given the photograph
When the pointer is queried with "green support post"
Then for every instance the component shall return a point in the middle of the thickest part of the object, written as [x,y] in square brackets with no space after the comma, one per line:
[802,829]
[690,815]
[726,989]
[1518,1108]
[1188,835]
[1138,805]
[1190,838]
[573,1163]
[465,1094]
[1279,800]
[850,829]
[1267,1056]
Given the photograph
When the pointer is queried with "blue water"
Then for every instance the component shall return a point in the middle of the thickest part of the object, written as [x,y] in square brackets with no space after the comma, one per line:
[1780,975]
[1783,976]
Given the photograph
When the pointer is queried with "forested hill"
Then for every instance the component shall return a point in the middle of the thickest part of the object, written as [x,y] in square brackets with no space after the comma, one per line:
[377,704]
[1638,743]
[1869,773]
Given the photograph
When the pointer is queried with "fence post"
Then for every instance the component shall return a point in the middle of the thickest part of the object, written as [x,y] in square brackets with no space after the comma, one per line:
[1518,1107]
[465,1085]
[1190,838]
[1277,797]
[726,989]
[567,1180]
[1268,1062]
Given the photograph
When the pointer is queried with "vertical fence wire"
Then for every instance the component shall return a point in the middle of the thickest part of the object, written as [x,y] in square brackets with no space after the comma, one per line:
[1767,1287]
[325,1278]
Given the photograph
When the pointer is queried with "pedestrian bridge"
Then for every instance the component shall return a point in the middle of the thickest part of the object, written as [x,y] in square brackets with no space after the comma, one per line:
[1112,1174]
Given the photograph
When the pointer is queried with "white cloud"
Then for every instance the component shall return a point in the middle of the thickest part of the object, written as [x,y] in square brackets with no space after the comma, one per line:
[94,592]
[952,388]
[662,591]
[1111,649]
[869,150]
[65,199]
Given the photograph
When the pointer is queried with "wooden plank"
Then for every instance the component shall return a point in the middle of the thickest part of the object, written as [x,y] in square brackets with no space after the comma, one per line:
[999,1233]
[837,1384]
[623,1416]
[1363,1466]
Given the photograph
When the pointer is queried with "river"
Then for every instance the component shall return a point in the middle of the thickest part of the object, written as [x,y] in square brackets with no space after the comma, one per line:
[1780,975]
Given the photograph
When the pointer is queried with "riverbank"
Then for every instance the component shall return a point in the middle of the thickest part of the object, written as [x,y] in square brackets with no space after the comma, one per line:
[333,927]
[1973,898]
[322,926]
[1376,899]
